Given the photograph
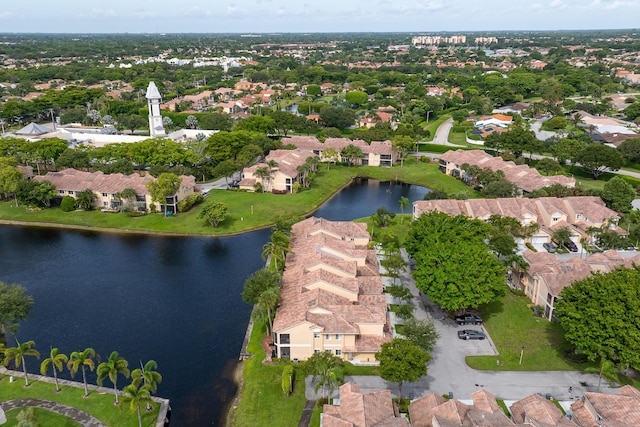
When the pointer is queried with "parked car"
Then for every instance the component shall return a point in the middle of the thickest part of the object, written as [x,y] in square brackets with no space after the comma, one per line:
[470,334]
[550,247]
[469,319]
[571,246]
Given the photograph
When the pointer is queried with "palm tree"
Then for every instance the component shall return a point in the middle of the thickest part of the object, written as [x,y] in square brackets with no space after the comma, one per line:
[403,202]
[57,361]
[147,376]
[18,353]
[277,249]
[272,164]
[262,173]
[111,368]
[136,397]
[126,196]
[82,359]
[269,301]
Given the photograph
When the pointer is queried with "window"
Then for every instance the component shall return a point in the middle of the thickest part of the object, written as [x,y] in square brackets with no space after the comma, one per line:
[70,192]
[327,336]
[579,216]
[555,219]
[61,191]
[284,339]
[316,335]
[338,336]
[104,194]
[105,203]
[316,351]
[338,352]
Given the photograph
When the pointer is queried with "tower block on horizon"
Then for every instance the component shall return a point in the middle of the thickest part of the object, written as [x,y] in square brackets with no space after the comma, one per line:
[156,128]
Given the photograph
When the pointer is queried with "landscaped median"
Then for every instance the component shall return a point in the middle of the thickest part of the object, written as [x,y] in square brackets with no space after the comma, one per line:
[99,404]
[246,211]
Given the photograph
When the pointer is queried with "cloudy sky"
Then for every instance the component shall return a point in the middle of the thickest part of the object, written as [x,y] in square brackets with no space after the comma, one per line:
[252,16]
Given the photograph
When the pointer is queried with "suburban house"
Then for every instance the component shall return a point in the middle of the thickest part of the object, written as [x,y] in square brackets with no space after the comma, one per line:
[280,177]
[500,120]
[69,182]
[362,409]
[579,214]
[547,276]
[536,410]
[525,178]
[332,296]
[378,153]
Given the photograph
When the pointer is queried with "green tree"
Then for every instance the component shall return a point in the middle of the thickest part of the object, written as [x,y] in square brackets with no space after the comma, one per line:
[262,124]
[276,249]
[421,332]
[326,369]
[14,306]
[127,197]
[57,361]
[598,158]
[567,149]
[136,396]
[147,375]
[351,154]
[330,155]
[403,202]
[113,367]
[600,316]
[454,266]
[357,98]
[336,117]
[561,236]
[402,361]
[258,283]
[460,115]
[632,111]
[10,179]
[630,150]
[549,166]
[500,188]
[132,122]
[214,213]
[384,216]
[394,264]
[266,306]
[314,90]
[618,194]
[17,355]
[82,359]
[166,185]
[283,121]
[86,199]
[403,145]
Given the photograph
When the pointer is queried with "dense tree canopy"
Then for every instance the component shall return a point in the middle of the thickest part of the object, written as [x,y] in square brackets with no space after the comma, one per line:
[618,194]
[402,361]
[600,316]
[454,266]
[598,158]
[14,306]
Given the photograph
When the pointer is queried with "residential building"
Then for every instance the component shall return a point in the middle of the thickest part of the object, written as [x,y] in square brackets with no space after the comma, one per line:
[547,275]
[500,120]
[378,153]
[535,410]
[436,411]
[525,178]
[282,176]
[156,127]
[69,182]
[580,214]
[599,409]
[332,296]
[362,409]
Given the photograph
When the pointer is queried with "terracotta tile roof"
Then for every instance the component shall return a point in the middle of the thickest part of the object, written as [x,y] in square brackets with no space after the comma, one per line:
[609,410]
[537,409]
[75,180]
[358,409]
[522,176]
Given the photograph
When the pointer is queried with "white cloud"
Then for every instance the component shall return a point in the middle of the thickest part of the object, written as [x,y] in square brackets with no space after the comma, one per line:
[558,4]
[195,12]
[98,13]
[536,6]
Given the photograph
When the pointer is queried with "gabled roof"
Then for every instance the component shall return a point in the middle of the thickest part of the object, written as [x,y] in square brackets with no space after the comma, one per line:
[33,129]
[152,91]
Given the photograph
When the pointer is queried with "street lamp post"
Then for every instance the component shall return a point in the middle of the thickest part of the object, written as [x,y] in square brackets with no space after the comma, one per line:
[428,112]
[521,353]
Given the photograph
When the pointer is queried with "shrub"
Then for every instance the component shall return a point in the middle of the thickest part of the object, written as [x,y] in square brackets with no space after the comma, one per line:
[68,204]
[530,246]
[190,201]
[287,380]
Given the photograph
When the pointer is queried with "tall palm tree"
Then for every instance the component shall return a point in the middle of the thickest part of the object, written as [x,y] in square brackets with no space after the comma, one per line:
[268,300]
[262,172]
[57,362]
[147,375]
[18,353]
[276,248]
[111,368]
[82,359]
[403,202]
[271,164]
[136,397]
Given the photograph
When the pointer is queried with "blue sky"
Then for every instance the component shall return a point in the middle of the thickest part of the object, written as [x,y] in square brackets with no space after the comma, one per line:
[252,16]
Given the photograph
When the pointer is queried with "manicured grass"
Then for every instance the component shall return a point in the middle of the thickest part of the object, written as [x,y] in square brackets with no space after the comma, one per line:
[511,325]
[42,417]
[262,402]
[315,417]
[99,405]
[350,369]
[246,211]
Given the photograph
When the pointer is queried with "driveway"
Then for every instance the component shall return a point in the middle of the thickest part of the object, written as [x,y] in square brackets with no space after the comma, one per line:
[448,372]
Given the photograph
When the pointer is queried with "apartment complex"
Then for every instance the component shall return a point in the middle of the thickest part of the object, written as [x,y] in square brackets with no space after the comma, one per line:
[332,295]
[280,177]
[378,153]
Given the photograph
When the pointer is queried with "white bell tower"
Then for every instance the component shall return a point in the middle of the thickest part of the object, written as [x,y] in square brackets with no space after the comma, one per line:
[156,128]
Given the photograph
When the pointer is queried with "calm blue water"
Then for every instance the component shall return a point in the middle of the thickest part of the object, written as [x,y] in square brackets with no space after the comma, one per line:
[174,300]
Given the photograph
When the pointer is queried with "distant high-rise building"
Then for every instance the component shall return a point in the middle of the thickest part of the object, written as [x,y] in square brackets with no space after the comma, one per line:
[434,40]
[156,128]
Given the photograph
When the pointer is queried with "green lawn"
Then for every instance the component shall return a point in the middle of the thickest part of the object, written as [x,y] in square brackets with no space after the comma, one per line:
[511,325]
[434,125]
[262,402]
[42,417]
[99,405]
[246,211]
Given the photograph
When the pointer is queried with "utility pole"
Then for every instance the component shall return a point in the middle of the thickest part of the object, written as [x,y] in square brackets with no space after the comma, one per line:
[2,124]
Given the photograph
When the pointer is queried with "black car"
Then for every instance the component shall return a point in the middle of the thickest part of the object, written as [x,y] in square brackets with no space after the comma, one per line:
[571,246]
[470,334]
[550,247]
[469,319]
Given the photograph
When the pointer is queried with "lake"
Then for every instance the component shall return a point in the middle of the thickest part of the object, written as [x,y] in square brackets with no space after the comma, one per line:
[172,299]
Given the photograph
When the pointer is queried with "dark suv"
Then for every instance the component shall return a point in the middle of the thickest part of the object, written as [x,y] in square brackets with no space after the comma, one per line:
[470,334]
[469,319]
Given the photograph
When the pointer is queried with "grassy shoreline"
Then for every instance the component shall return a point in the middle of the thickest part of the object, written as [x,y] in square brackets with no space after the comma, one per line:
[246,211]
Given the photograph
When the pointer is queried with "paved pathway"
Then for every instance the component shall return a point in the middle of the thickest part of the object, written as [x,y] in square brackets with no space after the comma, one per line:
[75,414]
[307,412]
